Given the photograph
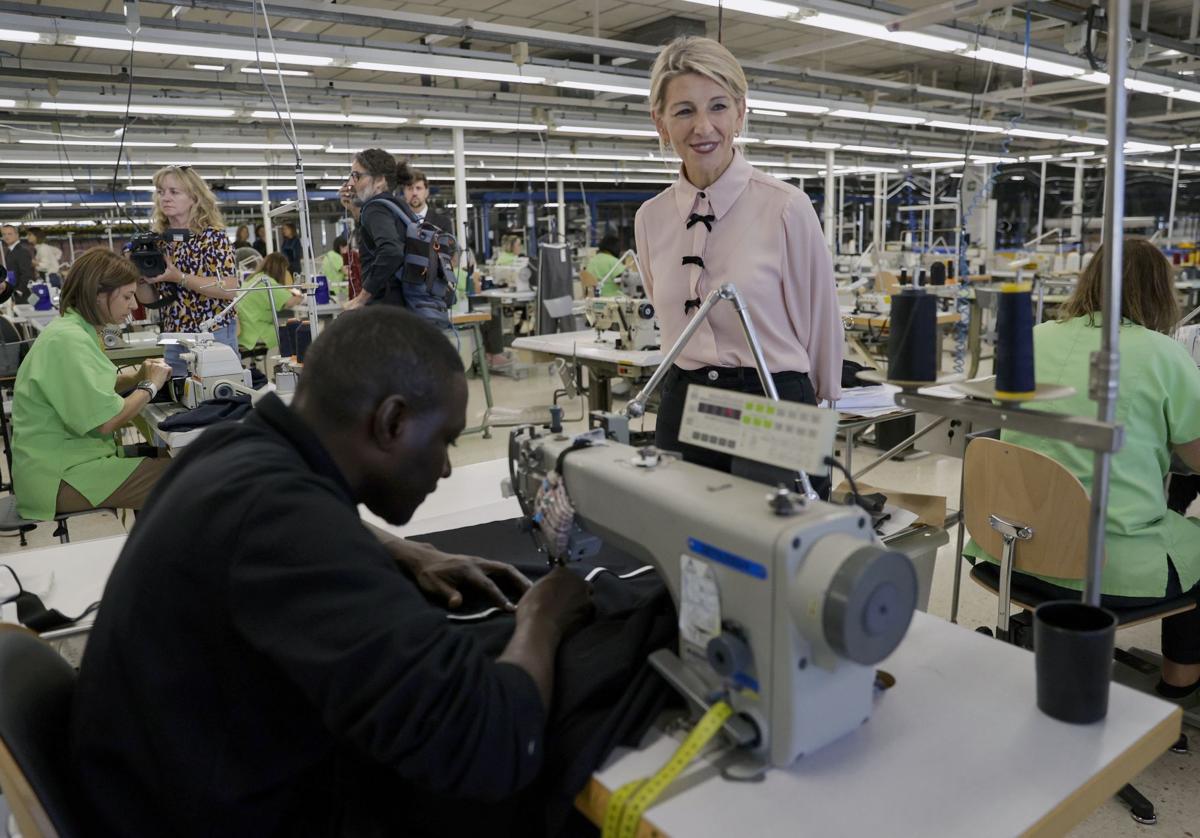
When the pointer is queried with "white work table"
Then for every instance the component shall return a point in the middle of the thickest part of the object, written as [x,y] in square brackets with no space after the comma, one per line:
[507,295]
[957,747]
[603,360]
[469,496]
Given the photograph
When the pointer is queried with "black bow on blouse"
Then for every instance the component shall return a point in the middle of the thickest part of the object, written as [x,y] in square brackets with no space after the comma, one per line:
[697,218]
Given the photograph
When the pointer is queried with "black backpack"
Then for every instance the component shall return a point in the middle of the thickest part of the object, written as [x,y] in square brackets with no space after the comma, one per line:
[426,281]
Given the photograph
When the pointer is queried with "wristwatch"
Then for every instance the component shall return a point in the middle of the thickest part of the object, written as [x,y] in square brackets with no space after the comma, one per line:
[149,387]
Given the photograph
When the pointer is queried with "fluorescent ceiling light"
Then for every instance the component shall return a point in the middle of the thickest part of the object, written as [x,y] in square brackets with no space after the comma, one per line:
[484,125]
[172,49]
[98,143]
[974,127]
[258,146]
[1187,95]
[1142,86]
[216,68]
[633,158]
[766,8]
[1017,178]
[872,149]
[853,26]
[8,103]
[332,117]
[623,89]
[1078,154]
[876,116]
[1038,157]
[1095,78]
[803,144]
[956,174]
[506,205]
[1037,135]
[1013,59]
[141,110]
[762,112]
[1087,140]
[19,36]
[945,165]
[942,155]
[606,132]
[981,158]
[454,73]
[1139,147]
[273,72]
[789,107]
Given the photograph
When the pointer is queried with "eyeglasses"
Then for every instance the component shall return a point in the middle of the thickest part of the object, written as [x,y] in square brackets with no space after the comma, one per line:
[355,176]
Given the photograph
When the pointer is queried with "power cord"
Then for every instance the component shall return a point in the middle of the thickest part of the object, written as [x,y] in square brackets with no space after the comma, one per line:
[833,462]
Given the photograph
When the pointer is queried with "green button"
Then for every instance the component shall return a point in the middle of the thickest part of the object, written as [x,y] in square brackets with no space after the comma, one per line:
[770,410]
[749,405]
[758,423]
[745,420]
[767,423]
[760,408]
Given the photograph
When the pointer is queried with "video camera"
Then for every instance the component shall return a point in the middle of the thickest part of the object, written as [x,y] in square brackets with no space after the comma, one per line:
[147,253]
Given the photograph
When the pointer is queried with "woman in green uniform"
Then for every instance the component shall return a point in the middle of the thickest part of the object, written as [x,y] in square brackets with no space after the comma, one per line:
[66,405]
[604,266]
[255,322]
[333,266]
[1153,553]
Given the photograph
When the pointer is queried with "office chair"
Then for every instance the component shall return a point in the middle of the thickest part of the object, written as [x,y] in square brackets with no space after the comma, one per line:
[35,716]
[1030,511]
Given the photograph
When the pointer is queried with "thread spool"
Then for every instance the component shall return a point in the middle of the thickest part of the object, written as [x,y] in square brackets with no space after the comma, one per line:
[904,276]
[322,290]
[950,268]
[921,283]
[1014,342]
[912,338]
[937,273]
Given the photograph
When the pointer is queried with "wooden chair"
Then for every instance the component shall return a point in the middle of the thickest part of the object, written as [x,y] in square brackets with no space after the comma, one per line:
[588,281]
[1032,513]
[35,720]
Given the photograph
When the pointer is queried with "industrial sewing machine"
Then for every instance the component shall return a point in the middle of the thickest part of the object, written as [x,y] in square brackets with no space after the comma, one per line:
[632,320]
[214,369]
[516,276]
[785,604]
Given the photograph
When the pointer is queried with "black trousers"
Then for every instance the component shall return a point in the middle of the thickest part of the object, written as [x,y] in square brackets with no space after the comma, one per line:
[792,387]
[1180,633]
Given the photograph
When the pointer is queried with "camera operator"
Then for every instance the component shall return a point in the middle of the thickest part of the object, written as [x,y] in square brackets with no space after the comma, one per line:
[201,273]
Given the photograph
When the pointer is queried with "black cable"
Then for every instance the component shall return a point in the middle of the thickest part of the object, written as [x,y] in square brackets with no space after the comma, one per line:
[854,493]
[1094,62]
[121,145]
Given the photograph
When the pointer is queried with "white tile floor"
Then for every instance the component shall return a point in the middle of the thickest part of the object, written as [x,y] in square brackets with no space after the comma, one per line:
[1172,782]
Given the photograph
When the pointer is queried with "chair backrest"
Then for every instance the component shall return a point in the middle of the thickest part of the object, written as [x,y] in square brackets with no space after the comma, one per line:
[35,720]
[1031,489]
[588,280]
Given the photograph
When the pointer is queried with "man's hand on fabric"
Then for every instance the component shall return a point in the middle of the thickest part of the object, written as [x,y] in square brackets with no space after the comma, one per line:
[448,576]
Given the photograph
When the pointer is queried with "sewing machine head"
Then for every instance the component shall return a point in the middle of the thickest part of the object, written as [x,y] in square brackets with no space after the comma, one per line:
[785,605]
[633,321]
[214,370]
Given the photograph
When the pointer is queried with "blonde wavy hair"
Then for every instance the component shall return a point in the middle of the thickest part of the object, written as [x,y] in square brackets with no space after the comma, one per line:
[690,54]
[204,207]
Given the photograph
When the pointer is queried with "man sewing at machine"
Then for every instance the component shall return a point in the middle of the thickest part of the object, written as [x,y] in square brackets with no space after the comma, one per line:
[261,656]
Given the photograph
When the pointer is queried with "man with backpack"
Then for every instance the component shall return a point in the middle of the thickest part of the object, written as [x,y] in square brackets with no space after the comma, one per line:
[404,261]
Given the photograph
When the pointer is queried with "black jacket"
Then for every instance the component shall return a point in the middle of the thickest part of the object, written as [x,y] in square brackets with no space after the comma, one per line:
[19,260]
[255,638]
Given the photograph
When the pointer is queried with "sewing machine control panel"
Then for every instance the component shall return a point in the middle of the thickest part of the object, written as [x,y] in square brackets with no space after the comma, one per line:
[785,434]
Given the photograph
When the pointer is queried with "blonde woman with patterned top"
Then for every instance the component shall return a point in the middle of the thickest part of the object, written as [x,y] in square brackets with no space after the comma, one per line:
[201,275]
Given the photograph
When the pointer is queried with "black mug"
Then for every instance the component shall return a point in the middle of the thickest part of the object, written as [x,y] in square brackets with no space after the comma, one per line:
[1073,654]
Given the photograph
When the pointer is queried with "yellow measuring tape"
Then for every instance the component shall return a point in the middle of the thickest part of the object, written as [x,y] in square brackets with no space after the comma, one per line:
[630,801]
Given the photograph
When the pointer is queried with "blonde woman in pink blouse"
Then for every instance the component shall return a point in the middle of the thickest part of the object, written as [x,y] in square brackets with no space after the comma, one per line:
[724,221]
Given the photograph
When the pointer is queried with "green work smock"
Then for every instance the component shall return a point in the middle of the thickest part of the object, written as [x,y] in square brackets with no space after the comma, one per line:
[65,390]
[333,266]
[506,258]
[1159,406]
[255,324]
[599,267]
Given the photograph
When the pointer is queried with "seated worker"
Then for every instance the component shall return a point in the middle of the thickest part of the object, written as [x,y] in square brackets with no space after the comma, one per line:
[1153,553]
[510,249]
[255,323]
[606,266]
[66,402]
[333,265]
[260,655]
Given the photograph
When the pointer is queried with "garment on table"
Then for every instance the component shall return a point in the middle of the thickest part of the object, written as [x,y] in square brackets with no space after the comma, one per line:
[254,635]
[47,258]
[206,254]
[255,323]
[762,235]
[600,267]
[1159,390]
[209,412]
[65,390]
[506,258]
[606,693]
[292,250]
[333,267]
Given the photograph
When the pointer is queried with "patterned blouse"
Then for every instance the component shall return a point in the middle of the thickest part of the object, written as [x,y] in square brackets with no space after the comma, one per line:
[206,254]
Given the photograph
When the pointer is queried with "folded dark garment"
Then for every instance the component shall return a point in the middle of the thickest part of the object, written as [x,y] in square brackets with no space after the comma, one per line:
[227,409]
